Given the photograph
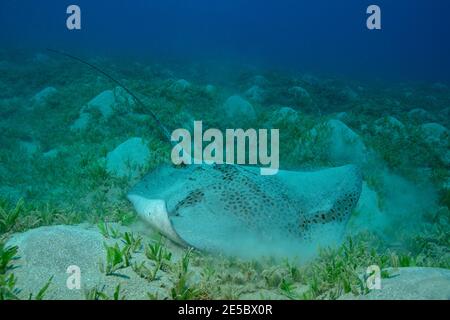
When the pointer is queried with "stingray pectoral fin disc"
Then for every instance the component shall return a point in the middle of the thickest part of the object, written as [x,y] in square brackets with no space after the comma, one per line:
[210,227]
[154,212]
[233,209]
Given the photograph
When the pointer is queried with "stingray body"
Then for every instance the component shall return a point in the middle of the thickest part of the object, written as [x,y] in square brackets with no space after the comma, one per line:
[231,209]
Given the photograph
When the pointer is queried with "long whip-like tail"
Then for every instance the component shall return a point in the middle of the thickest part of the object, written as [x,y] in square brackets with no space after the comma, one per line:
[160,125]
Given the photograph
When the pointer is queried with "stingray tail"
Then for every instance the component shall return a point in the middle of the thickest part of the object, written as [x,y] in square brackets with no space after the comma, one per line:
[160,125]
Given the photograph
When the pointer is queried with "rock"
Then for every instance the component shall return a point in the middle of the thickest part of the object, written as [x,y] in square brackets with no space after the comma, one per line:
[123,99]
[431,101]
[110,101]
[445,158]
[49,251]
[391,122]
[439,86]
[41,58]
[285,114]
[260,81]
[437,136]
[51,154]
[103,103]
[407,93]
[237,107]
[412,284]
[311,80]
[349,94]
[82,122]
[42,96]
[128,158]
[180,86]
[29,147]
[434,133]
[346,146]
[394,122]
[158,71]
[390,125]
[446,184]
[210,89]
[420,115]
[255,93]
[300,95]
[342,116]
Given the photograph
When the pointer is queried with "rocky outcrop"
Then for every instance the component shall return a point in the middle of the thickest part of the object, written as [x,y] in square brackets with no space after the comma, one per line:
[285,114]
[411,284]
[42,96]
[128,158]
[345,145]
[54,252]
[237,108]
[435,133]
[300,95]
[106,104]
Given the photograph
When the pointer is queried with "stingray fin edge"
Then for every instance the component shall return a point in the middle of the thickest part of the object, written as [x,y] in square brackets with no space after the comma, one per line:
[154,212]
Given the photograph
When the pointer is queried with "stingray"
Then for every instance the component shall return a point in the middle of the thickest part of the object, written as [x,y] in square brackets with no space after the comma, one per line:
[233,209]
[230,208]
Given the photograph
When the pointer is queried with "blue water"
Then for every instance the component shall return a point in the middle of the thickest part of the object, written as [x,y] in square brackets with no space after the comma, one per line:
[315,36]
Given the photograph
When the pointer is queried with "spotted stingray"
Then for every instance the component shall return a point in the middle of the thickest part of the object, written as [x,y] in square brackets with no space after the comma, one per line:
[230,208]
